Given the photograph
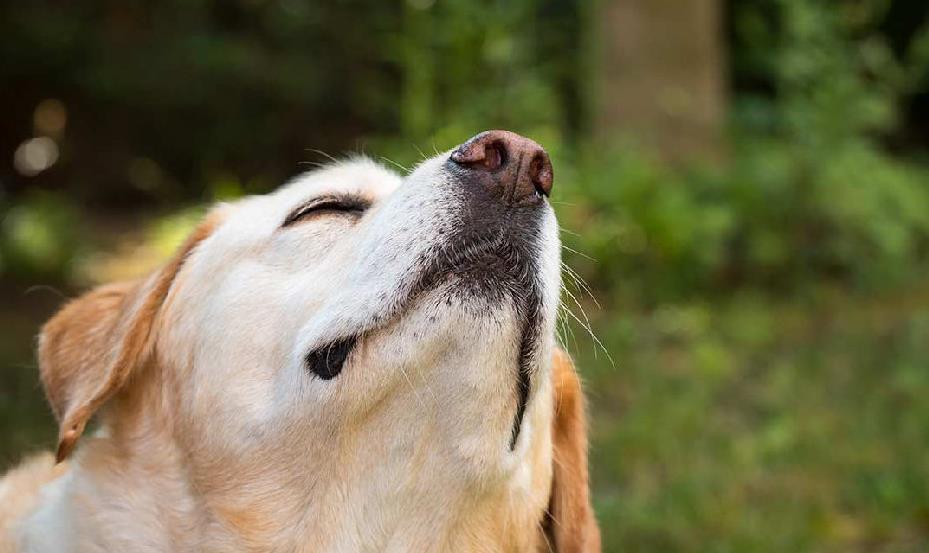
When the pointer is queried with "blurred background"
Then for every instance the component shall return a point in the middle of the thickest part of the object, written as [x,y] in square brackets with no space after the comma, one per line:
[743,187]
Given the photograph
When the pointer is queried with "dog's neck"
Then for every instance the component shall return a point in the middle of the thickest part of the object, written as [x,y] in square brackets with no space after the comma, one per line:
[134,484]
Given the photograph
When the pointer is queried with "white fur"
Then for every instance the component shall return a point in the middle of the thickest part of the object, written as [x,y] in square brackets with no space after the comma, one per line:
[406,450]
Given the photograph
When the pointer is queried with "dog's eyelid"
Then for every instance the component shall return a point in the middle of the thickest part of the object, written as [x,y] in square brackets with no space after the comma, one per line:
[332,204]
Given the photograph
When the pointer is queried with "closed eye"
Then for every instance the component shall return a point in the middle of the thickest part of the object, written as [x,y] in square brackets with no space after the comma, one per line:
[327,205]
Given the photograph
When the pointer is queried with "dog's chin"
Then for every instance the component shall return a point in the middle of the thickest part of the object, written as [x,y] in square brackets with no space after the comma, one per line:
[485,275]
[478,266]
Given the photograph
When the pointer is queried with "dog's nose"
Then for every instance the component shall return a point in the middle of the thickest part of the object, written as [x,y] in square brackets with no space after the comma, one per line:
[514,168]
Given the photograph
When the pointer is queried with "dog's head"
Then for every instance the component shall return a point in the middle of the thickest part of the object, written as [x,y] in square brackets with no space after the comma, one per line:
[355,337]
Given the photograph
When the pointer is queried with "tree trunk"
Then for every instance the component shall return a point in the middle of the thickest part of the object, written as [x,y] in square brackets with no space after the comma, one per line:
[662,76]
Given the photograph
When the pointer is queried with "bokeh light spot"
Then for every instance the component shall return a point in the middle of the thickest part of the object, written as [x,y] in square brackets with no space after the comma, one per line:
[49,118]
[35,155]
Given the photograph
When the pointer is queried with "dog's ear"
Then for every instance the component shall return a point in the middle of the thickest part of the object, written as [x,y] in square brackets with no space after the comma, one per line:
[88,350]
[571,526]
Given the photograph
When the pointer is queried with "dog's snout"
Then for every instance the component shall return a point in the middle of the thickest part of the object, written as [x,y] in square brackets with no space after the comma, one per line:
[514,168]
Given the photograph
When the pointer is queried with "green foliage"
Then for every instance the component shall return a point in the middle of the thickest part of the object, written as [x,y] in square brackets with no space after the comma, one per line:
[808,193]
[751,425]
[773,218]
[39,236]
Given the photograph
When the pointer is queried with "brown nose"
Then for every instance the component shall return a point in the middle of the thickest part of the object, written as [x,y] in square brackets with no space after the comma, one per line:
[514,168]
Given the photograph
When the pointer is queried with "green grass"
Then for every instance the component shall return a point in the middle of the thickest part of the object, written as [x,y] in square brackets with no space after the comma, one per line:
[757,425]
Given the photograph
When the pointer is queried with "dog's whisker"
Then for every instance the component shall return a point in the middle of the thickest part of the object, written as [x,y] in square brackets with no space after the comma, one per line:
[569,330]
[322,153]
[594,337]
[572,315]
[562,332]
[540,525]
[359,148]
[435,399]
[44,288]
[395,164]
[548,512]
[584,255]
[586,290]
[422,154]
[412,388]
[580,283]
[577,303]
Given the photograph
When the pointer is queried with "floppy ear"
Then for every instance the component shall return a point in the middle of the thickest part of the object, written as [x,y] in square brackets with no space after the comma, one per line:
[89,349]
[571,526]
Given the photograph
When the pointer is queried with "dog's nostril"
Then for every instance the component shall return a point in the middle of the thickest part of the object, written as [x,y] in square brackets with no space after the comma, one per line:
[481,154]
[540,172]
[494,156]
[515,169]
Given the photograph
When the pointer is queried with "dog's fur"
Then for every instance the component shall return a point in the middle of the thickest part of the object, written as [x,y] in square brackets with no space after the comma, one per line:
[214,436]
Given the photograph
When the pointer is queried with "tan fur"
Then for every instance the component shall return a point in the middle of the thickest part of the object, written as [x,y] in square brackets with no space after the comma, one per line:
[572,524]
[571,527]
[89,349]
[168,472]
[19,492]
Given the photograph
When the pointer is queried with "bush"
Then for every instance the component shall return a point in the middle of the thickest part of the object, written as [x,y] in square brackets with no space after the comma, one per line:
[808,193]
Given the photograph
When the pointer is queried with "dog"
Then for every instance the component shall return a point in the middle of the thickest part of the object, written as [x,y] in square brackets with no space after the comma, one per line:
[358,361]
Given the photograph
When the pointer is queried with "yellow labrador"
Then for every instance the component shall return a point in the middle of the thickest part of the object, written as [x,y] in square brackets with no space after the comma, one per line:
[359,361]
